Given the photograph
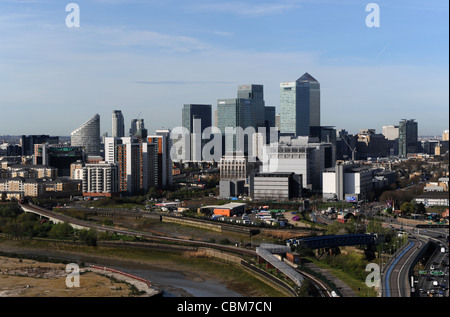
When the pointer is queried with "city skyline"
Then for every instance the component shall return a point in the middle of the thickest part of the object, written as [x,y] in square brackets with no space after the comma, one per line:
[151,58]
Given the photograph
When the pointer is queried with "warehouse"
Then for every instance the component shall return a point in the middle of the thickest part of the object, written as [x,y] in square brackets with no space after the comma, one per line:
[228,210]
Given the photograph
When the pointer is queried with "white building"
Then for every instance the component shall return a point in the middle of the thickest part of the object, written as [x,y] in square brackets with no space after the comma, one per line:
[299,156]
[100,180]
[346,179]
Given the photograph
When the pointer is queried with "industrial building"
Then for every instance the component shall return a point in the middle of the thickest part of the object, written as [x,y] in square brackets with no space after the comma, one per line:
[276,186]
[227,210]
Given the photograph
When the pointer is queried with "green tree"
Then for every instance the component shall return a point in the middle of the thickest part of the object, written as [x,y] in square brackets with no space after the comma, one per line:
[407,208]
[89,237]
[61,230]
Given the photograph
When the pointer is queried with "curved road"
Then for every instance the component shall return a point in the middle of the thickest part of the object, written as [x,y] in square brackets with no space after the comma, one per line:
[396,279]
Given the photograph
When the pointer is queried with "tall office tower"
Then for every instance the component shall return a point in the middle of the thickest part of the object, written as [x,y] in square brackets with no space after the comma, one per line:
[407,137]
[232,114]
[269,117]
[195,119]
[137,129]
[88,136]
[300,106]
[256,94]
[118,124]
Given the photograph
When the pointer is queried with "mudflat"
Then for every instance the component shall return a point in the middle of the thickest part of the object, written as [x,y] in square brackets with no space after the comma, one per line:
[29,278]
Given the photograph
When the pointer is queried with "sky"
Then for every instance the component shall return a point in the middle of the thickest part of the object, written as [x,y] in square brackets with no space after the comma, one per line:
[148,58]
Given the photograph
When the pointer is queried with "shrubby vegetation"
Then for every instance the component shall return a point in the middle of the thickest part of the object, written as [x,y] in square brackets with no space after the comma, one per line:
[17,224]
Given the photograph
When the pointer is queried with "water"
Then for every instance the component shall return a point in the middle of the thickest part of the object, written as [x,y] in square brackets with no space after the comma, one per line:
[171,283]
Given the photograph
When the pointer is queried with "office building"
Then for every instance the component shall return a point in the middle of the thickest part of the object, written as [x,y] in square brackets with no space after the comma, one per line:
[88,136]
[276,186]
[408,137]
[255,93]
[390,132]
[370,144]
[195,119]
[299,106]
[27,142]
[300,156]
[57,156]
[118,124]
[233,114]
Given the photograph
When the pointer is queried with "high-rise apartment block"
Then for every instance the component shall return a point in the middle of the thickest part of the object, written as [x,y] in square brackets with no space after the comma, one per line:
[100,180]
[299,106]
[137,163]
[118,124]
[137,129]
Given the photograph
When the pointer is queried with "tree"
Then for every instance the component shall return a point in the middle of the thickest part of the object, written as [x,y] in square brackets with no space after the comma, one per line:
[407,208]
[89,237]
[61,230]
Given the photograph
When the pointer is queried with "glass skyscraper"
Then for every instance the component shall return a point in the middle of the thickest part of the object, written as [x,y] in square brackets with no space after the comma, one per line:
[88,136]
[234,113]
[192,115]
[407,137]
[256,94]
[118,124]
[299,106]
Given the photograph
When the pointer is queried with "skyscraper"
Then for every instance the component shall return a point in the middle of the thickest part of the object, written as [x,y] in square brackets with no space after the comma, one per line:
[256,94]
[232,114]
[407,137]
[193,114]
[299,106]
[88,136]
[137,129]
[118,124]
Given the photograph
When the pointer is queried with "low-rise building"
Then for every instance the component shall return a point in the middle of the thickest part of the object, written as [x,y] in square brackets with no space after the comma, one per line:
[276,186]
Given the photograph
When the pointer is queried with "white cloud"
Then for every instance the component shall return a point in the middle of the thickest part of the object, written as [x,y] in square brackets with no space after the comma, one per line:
[249,8]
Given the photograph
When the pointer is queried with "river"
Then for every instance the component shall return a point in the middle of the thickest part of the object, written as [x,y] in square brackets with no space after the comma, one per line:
[172,283]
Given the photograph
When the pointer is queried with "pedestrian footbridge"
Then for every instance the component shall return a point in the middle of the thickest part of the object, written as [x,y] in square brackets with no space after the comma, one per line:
[266,251]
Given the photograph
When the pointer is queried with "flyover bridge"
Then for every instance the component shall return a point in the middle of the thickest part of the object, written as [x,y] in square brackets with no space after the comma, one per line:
[333,241]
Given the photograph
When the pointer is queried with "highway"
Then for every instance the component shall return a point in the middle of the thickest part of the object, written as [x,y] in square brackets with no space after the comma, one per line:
[396,277]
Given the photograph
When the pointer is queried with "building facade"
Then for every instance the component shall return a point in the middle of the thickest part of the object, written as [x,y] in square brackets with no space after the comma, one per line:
[88,136]
[299,106]
[118,124]
[407,137]
[100,180]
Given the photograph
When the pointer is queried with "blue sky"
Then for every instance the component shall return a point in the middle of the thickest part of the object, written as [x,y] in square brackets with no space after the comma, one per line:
[148,58]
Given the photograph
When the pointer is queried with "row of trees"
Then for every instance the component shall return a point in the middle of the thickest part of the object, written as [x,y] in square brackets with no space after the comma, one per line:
[17,224]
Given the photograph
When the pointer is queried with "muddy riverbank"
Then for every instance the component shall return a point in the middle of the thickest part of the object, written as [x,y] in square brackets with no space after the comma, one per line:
[172,278]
